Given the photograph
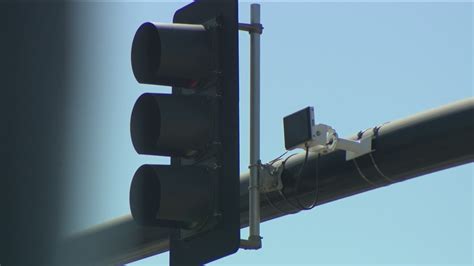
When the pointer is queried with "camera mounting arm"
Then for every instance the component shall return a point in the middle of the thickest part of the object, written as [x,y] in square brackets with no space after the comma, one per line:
[302,132]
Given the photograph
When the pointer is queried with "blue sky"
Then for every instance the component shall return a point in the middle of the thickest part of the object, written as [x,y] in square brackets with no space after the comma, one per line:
[358,64]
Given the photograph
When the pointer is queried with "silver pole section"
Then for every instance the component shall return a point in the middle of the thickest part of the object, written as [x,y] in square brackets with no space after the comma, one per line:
[254,205]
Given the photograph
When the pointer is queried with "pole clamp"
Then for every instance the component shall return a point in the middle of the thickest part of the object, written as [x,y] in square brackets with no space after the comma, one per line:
[270,178]
[251,28]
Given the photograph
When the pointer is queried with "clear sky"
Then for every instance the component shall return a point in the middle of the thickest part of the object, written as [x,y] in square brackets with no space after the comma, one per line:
[358,64]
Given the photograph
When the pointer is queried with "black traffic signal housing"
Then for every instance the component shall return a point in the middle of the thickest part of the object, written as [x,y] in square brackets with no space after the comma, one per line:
[197,125]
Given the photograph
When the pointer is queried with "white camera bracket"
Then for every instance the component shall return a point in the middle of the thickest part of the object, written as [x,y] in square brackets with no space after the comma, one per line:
[325,140]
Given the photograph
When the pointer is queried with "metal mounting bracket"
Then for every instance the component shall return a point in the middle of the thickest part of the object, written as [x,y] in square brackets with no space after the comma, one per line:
[326,140]
[270,178]
[353,148]
[251,28]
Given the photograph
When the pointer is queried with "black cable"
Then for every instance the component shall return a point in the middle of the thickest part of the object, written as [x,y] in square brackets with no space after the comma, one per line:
[298,183]
[316,189]
[282,194]
[277,158]
[299,206]
[314,203]
[270,202]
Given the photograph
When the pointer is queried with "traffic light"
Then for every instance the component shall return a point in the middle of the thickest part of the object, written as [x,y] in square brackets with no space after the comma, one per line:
[197,125]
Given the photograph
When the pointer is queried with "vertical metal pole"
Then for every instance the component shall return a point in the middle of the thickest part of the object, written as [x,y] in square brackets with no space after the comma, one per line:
[254,205]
